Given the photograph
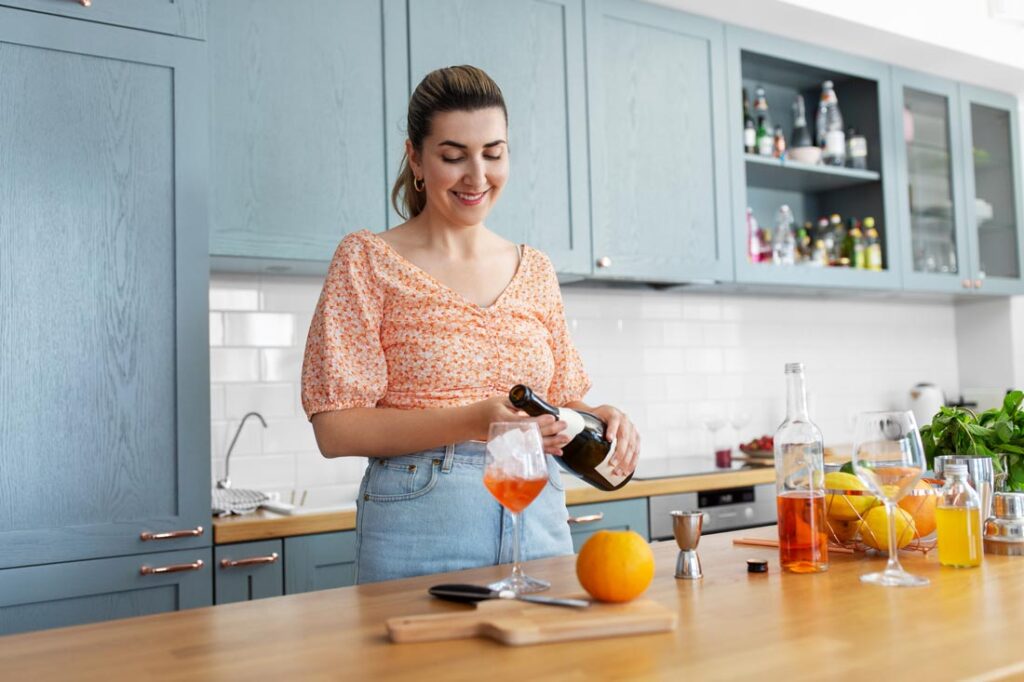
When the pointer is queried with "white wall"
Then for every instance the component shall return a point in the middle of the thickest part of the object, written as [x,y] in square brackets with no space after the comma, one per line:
[669,359]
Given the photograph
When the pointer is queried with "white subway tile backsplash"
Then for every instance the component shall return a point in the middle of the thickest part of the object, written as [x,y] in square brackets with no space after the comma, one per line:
[270,400]
[668,359]
[282,364]
[234,364]
[259,329]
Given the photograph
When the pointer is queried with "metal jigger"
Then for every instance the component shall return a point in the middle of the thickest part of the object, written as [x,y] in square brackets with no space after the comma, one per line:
[686,526]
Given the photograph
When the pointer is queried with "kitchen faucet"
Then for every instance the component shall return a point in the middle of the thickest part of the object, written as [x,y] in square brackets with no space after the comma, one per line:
[226,481]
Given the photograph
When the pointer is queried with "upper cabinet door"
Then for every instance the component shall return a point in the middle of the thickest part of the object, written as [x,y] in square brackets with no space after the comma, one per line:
[298,142]
[177,17]
[104,378]
[929,166]
[659,184]
[844,195]
[993,190]
[534,51]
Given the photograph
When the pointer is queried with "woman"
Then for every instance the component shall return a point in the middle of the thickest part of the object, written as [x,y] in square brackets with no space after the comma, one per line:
[418,336]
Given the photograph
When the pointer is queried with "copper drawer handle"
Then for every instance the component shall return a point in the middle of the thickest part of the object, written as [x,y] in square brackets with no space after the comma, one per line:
[251,561]
[575,520]
[173,568]
[170,535]
[85,3]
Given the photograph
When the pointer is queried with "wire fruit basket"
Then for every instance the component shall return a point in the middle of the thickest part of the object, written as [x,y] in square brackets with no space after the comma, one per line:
[856,518]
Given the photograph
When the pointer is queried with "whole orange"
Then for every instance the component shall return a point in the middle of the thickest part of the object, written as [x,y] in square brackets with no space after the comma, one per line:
[615,565]
[922,508]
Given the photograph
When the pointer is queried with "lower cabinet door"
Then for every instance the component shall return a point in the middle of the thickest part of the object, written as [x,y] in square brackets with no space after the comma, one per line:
[587,519]
[319,562]
[76,592]
[247,571]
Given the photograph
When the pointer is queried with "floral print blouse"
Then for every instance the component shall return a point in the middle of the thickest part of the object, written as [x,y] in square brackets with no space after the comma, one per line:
[388,334]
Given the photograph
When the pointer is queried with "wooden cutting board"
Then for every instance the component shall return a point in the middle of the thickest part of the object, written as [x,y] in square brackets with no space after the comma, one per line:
[517,623]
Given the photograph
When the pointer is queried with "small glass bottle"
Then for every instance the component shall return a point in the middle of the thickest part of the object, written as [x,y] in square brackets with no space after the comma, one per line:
[784,242]
[753,237]
[958,520]
[800,483]
[872,246]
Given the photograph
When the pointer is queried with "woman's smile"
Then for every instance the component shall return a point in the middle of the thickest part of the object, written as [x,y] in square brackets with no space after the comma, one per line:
[468,199]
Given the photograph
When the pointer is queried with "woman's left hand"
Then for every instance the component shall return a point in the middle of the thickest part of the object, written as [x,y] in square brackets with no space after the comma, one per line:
[627,448]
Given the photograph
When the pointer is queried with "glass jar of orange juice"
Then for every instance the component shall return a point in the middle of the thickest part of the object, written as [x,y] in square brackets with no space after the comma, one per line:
[958,520]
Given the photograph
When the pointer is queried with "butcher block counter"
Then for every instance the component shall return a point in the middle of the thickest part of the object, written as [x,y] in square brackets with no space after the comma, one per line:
[731,625]
[264,525]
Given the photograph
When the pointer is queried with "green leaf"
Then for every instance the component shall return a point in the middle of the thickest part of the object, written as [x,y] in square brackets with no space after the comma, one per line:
[1015,449]
[1012,401]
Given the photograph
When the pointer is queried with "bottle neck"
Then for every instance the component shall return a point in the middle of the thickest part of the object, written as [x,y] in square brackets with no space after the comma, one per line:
[796,397]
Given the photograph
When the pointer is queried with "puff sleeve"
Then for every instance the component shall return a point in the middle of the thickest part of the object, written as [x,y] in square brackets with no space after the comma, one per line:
[344,364]
[569,382]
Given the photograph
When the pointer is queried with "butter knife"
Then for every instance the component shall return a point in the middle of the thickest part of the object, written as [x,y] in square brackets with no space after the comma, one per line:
[469,594]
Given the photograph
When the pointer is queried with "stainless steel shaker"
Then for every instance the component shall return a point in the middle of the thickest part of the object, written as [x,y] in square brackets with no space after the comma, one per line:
[686,526]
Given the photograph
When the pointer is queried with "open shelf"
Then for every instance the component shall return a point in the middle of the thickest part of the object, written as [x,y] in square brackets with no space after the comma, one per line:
[793,176]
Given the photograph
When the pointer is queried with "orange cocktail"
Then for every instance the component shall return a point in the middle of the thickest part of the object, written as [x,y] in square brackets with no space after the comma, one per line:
[514,494]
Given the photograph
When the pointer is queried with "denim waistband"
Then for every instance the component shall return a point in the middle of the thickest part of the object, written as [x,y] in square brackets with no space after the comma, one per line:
[470,452]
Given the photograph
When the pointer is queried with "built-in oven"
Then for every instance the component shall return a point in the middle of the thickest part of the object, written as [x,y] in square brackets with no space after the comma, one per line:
[726,509]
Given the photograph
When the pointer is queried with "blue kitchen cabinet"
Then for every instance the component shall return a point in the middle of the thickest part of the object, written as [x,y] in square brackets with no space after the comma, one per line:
[993,209]
[104,379]
[658,140]
[247,571]
[930,170]
[587,519]
[77,592]
[787,68]
[534,51]
[299,154]
[176,17]
[319,562]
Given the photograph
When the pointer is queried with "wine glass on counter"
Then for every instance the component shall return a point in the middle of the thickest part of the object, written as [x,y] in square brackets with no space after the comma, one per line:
[515,472]
[888,457]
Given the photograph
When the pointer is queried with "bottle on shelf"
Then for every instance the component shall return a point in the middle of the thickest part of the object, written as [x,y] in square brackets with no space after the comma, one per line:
[835,226]
[761,106]
[779,144]
[858,255]
[766,243]
[588,454]
[784,242]
[819,254]
[799,482]
[856,150]
[827,238]
[831,136]
[958,520]
[753,237]
[764,138]
[803,242]
[801,136]
[749,129]
[872,246]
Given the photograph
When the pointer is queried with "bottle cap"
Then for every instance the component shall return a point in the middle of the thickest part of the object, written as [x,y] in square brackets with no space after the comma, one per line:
[955,469]
[757,566]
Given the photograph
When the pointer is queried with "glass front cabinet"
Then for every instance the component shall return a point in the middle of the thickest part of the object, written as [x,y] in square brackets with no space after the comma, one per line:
[959,196]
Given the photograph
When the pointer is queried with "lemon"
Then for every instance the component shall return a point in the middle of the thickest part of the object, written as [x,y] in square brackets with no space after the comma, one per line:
[874,530]
[846,507]
[843,531]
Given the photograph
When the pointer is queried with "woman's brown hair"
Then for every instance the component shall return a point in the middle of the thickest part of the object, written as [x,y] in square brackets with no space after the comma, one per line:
[454,88]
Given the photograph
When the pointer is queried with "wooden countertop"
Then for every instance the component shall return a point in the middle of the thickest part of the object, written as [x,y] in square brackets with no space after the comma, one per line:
[263,525]
[732,625]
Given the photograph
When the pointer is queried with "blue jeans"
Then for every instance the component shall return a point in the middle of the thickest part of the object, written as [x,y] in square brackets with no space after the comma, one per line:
[429,512]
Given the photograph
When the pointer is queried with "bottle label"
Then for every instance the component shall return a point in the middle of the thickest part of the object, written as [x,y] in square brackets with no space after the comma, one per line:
[835,143]
[574,425]
[749,138]
[764,146]
[857,147]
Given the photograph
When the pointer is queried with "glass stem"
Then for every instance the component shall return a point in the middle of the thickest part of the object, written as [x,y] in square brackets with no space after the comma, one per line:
[894,560]
[517,571]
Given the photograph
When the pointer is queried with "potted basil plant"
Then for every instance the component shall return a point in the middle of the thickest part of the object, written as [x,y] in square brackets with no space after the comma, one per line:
[997,433]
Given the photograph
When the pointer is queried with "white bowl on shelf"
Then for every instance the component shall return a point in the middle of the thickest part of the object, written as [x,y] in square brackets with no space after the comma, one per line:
[809,155]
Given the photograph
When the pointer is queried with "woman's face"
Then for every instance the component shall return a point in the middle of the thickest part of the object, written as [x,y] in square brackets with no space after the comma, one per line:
[463,164]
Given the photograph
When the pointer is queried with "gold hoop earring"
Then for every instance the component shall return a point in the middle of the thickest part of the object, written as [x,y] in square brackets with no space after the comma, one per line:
[418,184]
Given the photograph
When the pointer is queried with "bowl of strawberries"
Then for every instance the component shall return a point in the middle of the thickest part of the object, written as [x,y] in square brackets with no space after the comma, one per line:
[763,447]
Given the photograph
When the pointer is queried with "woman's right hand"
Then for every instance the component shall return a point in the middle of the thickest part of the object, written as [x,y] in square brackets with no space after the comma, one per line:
[499,409]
